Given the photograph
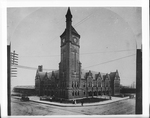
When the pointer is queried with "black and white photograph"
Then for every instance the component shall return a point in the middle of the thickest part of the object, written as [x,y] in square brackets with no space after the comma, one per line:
[74,60]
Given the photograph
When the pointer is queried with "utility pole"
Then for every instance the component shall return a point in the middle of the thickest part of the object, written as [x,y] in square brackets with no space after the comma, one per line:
[139,81]
[8,79]
[12,59]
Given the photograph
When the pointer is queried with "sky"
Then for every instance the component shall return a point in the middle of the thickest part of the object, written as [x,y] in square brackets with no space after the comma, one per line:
[109,37]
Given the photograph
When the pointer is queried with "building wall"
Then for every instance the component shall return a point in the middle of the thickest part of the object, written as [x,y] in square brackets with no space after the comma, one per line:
[116,87]
[86,87]
[25,91]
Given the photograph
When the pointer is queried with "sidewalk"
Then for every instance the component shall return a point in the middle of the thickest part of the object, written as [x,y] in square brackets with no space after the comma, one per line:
[114,99]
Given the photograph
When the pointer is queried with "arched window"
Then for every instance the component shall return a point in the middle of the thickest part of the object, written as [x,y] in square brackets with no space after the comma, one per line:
[76,93]
[75,61]
[76,84]
[73,93]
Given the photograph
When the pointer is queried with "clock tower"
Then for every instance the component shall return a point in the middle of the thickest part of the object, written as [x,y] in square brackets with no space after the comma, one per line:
[69,66]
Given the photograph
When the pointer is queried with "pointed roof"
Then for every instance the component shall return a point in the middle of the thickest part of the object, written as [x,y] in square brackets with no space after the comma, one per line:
[42,75]
[73,31]
[117,74]
[69,15]
[94,74]
[114,74]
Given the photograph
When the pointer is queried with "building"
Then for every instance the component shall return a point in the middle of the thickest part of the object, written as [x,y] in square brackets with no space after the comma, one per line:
[71,81]
[26,90]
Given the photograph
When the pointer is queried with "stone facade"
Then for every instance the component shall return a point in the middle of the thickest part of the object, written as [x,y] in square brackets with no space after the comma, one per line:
[70,81]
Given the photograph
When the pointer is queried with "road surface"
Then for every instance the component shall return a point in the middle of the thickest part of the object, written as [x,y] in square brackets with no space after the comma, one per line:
[31,108]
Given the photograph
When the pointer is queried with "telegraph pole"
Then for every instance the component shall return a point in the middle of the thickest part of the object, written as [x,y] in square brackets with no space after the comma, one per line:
[138,81]
[9,78]
[12,59]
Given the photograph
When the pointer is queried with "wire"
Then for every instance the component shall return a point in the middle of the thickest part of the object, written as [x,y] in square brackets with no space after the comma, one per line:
[40,56]
[85,53]
[83,20]
[107,51]
[109,61]
[79,23]
[31,68]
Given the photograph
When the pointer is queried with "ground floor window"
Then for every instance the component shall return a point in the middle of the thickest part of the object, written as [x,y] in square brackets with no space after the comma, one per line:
[73,93]
[95,93]
[76,93]
[99,92]
[84,92]
[90,93]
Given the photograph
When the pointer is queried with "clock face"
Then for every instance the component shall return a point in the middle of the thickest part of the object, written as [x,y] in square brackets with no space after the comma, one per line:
[75,40]
[63,40]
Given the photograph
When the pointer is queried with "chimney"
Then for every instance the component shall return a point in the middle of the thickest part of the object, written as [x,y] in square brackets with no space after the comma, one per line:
[40,68]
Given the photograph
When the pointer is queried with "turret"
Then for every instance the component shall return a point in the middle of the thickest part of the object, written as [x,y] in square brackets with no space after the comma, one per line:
[68,15]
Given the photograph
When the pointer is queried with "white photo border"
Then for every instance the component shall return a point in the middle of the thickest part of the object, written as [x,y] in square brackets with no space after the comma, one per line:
[77,3]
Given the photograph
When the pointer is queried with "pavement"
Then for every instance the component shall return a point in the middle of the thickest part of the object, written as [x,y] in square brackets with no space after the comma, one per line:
[37,100]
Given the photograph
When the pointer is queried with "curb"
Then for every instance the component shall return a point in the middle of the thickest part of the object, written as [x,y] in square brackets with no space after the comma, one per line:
[79,105]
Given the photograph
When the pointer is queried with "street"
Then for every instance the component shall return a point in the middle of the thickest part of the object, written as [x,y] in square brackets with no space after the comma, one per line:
[31,108]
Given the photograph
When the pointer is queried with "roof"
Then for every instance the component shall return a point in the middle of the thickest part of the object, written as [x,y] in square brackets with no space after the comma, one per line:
[63,33]
[73,31]
[42,74]
[57,74]
[68,13]
[25,87]
[113,75]
[84,72]
[48,74]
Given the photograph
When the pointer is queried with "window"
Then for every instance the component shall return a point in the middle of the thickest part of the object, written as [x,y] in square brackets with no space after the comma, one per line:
[76,84]
[83,84]
[73,93]
[74,60]
[76,93]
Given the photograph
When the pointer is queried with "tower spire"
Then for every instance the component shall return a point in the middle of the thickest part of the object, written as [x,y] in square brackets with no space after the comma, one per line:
[68,15]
